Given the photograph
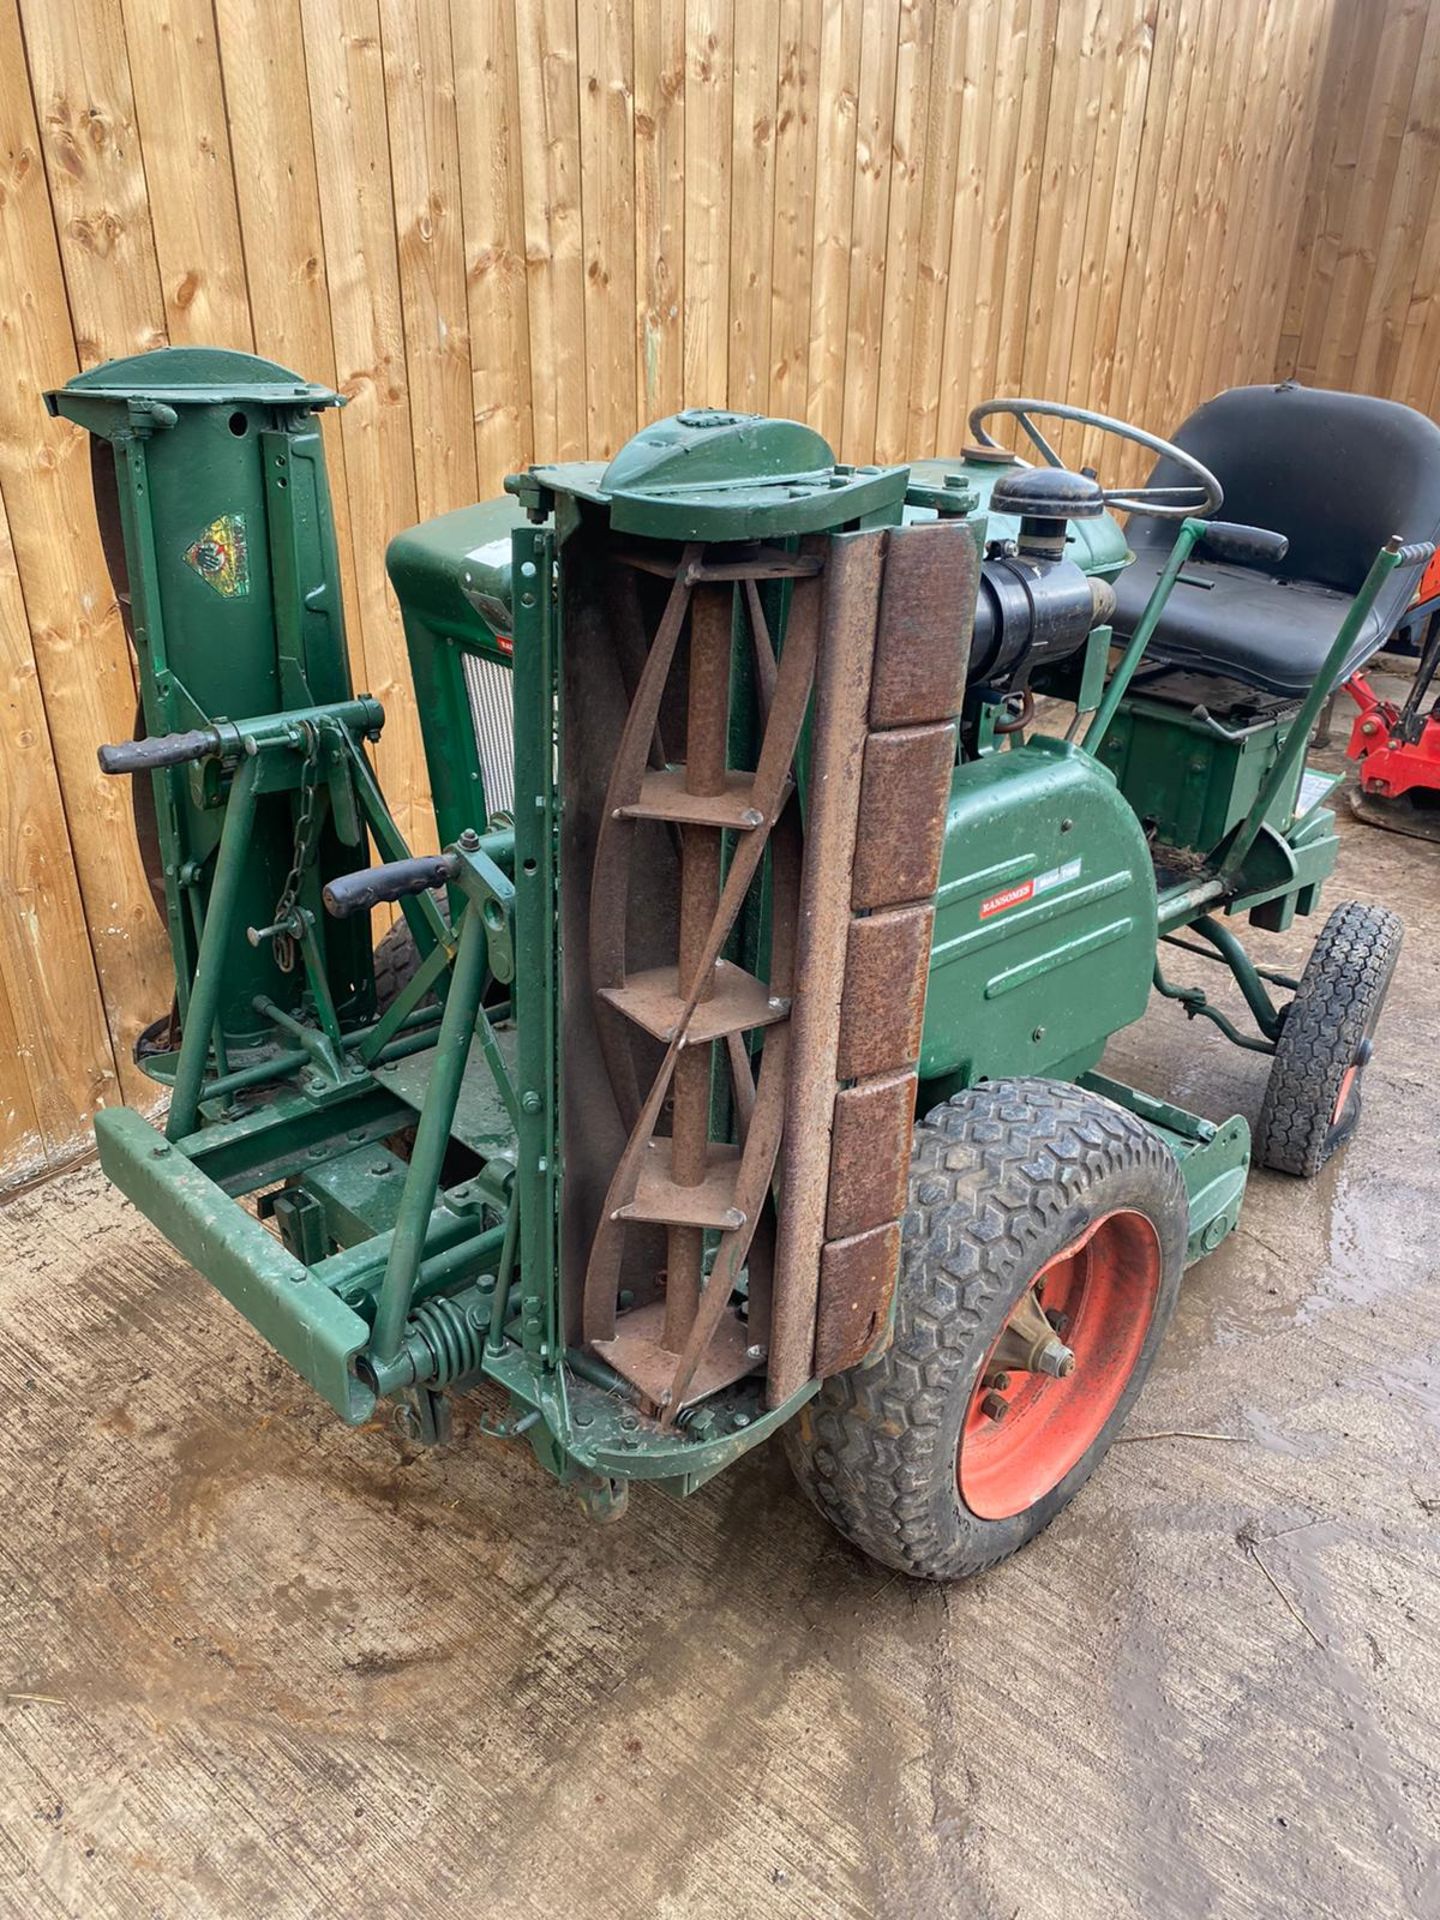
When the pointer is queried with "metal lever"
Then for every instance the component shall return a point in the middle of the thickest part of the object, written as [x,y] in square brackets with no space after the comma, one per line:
[164,750]
[357,892]
[1249,546]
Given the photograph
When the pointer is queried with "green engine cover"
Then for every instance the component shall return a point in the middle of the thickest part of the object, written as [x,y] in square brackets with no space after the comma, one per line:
[1045,920]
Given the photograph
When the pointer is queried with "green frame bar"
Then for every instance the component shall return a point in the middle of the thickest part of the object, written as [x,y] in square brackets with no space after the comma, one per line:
[303,1320]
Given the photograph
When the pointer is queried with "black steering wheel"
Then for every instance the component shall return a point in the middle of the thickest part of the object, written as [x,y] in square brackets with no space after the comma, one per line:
[1206,497]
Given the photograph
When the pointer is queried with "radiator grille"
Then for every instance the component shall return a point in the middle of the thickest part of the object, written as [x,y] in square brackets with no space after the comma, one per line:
[490,687]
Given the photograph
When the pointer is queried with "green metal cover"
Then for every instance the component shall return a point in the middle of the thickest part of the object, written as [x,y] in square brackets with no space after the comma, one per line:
[1194,779]
[706,474]
[1045,919]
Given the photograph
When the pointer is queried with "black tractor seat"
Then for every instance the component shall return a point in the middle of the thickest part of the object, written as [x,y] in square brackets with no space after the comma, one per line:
[1338,474]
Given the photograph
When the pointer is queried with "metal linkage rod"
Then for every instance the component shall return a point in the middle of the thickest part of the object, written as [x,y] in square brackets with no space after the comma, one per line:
[432,1136]
[230,863]
[1190,532]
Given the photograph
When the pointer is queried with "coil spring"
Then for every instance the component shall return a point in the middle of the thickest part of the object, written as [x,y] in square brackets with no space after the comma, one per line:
[453,1333]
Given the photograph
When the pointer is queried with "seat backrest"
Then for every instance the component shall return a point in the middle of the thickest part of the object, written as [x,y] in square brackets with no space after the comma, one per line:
[1338,473]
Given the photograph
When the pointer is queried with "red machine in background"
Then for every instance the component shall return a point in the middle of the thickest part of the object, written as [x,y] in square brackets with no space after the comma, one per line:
[1398,747]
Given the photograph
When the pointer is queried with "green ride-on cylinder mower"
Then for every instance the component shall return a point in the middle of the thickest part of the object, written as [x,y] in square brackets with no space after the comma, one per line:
[756,846]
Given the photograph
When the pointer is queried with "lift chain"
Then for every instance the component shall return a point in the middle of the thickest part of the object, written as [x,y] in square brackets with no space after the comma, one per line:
[285,906]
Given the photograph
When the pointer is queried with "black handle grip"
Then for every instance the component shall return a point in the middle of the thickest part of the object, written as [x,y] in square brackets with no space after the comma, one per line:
[1257,546]
[165,750]
[358,892]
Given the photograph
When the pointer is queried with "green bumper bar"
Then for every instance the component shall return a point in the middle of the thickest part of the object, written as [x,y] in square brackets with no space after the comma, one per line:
[317,1333]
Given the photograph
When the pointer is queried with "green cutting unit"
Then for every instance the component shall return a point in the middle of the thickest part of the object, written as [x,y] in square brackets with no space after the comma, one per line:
[779,801]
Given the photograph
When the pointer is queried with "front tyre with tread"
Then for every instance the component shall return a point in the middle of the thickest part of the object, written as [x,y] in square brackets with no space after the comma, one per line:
[1010,1180]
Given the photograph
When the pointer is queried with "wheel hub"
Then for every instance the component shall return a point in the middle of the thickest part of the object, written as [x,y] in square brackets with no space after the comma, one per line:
[1042,1400]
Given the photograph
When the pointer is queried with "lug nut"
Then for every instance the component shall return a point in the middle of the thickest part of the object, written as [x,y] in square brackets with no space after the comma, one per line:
[993,1407]
[1056,1359]
[1058,1320]
[1000,1381]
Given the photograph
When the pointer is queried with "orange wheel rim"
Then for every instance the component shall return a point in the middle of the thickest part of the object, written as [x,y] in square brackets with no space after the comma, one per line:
[1342,1099]
[1100,1291]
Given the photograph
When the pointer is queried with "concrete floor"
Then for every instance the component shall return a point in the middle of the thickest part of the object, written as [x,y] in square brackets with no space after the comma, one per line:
[254,1664]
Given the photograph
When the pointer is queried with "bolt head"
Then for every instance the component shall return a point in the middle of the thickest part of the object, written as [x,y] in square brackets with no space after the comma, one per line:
[1056,1359]
[993,1407]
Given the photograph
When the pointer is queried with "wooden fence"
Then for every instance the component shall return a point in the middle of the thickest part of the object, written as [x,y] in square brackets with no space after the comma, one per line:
[515,229]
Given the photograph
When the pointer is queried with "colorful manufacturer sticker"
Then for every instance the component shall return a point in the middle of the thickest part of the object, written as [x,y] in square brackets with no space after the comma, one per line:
[1027,889]
[221,558]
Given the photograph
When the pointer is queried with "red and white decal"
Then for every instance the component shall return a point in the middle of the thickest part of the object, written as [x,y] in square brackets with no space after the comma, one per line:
[1027,889]
[1011,897]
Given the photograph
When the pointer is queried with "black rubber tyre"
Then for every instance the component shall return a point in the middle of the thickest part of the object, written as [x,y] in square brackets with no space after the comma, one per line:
[1312,1098]
[397,956]
[1004,1178]
[396,959]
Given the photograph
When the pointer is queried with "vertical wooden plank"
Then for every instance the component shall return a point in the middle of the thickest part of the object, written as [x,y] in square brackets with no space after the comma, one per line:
[796,140]
[660,207]
[554,262]
[607,181]
[952,101]
[1345,19]
[262,60]
[708,43]
[1254,96]
[1022,239]
[874,169]
[1338,187]
[1281,123]
[23,1154]
[1001,204]
[836,107]
[1292,132]
[59,1066]
[346,82]
[1400,38]
[752,207]
[493,212]
[1145,337]
[78,642]
[1060,229]
[1118,137]
[1209,231]
[189,177]
[971,244]
[1399,243]
[926,99]
[423,142]
[1123,311]
[1177,316]
[1417,368]
[81,82]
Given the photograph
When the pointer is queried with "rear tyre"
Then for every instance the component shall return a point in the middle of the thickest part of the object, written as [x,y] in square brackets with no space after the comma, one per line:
[397,958]
[969,1433]
[1312,1098]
